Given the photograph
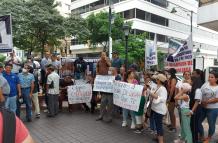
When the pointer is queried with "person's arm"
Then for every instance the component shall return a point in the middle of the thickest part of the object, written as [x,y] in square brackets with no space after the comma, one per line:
[108,62]
[28,139]
[2,98]
[19,90]
[97,68]
[32,88]
[182,97]
[172,88]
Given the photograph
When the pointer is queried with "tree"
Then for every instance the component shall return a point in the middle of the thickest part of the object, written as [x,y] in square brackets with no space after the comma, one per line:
[161,59]
[36,23]
[136,48]
[98,26]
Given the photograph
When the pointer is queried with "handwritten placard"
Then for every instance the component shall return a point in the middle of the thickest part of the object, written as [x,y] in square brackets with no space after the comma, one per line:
[127,95]
[81,93]
[104,83]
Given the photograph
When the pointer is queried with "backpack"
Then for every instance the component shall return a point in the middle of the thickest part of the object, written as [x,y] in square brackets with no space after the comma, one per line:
[9,126]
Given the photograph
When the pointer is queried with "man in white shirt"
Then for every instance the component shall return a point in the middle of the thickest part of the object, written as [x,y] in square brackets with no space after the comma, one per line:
[52,90]
[15,61]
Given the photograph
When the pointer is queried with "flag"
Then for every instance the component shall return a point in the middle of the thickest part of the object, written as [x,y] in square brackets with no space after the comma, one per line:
[6,44]
[151,52]
[181,59]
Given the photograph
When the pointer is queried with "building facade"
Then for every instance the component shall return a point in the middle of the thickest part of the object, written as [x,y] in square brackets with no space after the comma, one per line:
[167,18]
[208,15]
[64,7]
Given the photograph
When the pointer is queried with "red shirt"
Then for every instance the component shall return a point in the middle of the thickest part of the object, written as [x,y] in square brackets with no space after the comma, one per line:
[21,130]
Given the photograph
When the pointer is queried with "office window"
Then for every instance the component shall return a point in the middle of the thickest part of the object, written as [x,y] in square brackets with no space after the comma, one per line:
[159,20]
[140,14]
[129,14]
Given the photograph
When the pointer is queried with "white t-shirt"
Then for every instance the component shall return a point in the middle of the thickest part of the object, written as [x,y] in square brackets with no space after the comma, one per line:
[159,104]
[184,104]
[209,92]
[55,78]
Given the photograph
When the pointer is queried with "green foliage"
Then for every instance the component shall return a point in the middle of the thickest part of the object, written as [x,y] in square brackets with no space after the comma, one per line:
[161,58]
[98,26]
[136,48]
[2,58]
[37,23]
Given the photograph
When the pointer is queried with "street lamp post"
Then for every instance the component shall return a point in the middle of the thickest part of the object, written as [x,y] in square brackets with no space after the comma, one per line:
[126,29]
[110,27]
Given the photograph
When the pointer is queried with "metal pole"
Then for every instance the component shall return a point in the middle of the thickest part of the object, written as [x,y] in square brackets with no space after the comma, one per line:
[110,38]
[191,19]
[126,52]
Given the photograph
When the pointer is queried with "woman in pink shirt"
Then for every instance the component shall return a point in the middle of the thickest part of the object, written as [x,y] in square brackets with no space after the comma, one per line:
[130,78]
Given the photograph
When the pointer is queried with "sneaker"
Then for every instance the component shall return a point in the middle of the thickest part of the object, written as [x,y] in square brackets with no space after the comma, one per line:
[133,125]
[37,115]
[45,111]
[124,124]
[138,131]
[178,141]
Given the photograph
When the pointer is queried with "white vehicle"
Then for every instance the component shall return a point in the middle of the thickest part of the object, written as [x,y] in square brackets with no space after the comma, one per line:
[210,69]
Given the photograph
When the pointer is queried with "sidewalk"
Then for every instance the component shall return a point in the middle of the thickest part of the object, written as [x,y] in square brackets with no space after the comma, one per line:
[80,127]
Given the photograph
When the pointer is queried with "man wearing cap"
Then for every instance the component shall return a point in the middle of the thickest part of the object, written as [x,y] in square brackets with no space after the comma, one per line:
[15,90]
[116,62]
[52,91]
[27,85]
[55,62]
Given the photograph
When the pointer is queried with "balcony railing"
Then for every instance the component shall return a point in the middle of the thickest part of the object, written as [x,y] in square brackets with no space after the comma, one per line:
[206,2]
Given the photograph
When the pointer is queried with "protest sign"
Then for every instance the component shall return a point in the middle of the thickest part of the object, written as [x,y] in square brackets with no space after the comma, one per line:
[6,44]
[104,83]
[127,95]
[151,52]
[79,93]
[181,59]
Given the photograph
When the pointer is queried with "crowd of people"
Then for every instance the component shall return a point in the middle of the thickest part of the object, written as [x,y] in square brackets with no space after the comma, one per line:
[163,95]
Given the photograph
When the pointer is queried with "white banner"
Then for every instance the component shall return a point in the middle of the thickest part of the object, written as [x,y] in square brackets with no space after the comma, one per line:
[127,95]
[181,59]
[6,44]
[151,52]
[104,83]
[79,93]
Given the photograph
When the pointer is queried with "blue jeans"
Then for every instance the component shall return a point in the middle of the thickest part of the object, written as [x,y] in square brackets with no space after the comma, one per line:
[125,115]
[158,119]
[27,100]
[11,103]
[152,122]
[77,75]
[211,115]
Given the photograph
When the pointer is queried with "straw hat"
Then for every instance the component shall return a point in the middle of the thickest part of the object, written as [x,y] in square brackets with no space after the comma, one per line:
[161,77]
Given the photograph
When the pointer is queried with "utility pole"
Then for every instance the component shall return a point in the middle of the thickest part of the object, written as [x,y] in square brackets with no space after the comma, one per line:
[110,28]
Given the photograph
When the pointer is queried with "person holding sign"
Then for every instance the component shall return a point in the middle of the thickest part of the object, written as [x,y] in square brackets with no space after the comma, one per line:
[102,68]
[158,106]
[130,78]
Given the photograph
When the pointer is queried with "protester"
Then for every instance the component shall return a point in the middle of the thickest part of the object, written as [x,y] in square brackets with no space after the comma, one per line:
[52,89]
[21,134]
[27,86]
[45,61]
[102,68]
[122,73]
[64,83]
[14,61]
[79,68]
[116,62]
[15,90]
[195,108]
[130,78]
[209,105]
[56,63]
[171,88]
[36,90]
[159,108]
[183,97]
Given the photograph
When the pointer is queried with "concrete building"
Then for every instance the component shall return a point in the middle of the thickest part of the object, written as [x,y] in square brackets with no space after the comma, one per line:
[167,18]
[207,14]
[64,7]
